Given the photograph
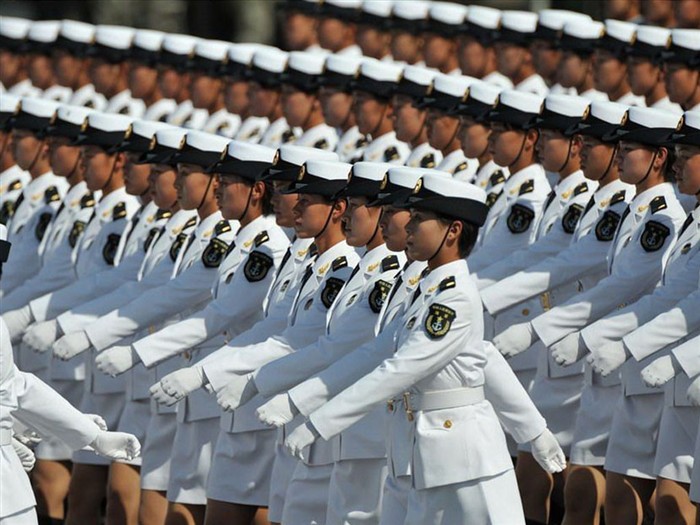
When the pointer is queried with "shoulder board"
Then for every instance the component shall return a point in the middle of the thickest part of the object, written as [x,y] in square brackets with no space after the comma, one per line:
[288,136]
[51,195]
[6,211]
[163,214]
[88,200]
[492,197]
[527,187]
[89,104]
[124,110]
[42,224]
[109,250]
[190,222]
[618,197]
[340,262]
[658,204]
[16,185]
[447,283]
[222,227]
[321,144]
[313,250]
[223,126]
[119,211]
[390,262]
[261,238]
[581,188]
[391,153]
[361,142]
[461,167]
[428,161]
[75,233]
[497,177]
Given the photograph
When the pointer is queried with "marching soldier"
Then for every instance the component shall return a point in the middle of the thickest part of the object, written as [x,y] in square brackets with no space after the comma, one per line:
[143,75]
[12,178]
[41,37]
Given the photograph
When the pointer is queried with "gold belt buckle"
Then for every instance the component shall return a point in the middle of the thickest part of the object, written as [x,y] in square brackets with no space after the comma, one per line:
[407,405]
[546,301]
[390,405]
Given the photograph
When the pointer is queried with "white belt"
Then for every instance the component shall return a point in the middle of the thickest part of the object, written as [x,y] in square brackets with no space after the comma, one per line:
[5,436]
[438,400]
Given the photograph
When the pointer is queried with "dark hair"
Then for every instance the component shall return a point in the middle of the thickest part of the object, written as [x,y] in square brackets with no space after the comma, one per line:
[267,198]
[467,239]
[669,175]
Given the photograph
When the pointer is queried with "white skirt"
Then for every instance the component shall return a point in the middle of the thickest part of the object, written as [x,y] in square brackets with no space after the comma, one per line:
[192,452]
[134,420]
[633,435]
[157,451]
[677,435]
[493,500]
[395,500]
[282,471]
[110,407]
[306,502]
[558,400]
[593,422]
[353,503]
[250,455]
[23,517]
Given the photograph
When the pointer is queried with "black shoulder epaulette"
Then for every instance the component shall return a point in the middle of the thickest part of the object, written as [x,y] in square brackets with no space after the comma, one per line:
[497,177]
[51,195]
[447,283]
[361,142]
[618,197]
[163,214]
[581,188]
[339,262]
[15,185]
[390,262]
[261,238]
[222,227]
[288,136]
[428,161]
[321,144]
[190,222]
[461,167]
[527,187]
[119,211]
[391,153]
[88,200]
[658,204]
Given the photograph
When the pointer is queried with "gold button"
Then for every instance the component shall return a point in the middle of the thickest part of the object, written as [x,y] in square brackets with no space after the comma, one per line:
[447,424]
[526,311]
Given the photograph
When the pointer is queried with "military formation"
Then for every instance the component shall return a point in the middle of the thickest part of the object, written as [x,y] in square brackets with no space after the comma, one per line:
[437,264]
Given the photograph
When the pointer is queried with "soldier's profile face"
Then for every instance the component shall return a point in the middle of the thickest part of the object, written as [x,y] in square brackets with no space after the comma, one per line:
[262,100]
[191,185]
[336,106]
[135,175]
[553,148]
[442,128]
[472,56]
[437,50]
[296,105]
[505,143]
[360,221]
[143,80]
[608,71]
[596,157]
[10,65]
[642,75]
[205,90]
[283,204]
[62,156]
[161,183]
[25,147]
[98,166]
[409,120]
[310,215]
[232,196]
[66,67]
[424,234]
[509,58]
[393,224]
[474,137]
[687,169]
[681,81]
[633,160]
[103,74]
[573,69]
[41,70]
[368,111]
[406,47]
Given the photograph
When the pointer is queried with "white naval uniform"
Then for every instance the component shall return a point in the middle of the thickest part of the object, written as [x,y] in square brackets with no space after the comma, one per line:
[386,148]
[321,136]
[349,324]
[86,96]
[630,99]
[160,110]
[222,123]
[459,166]
[12,182]
[499,80]
[491,177]
[277,133]
[243,444]
[424,156]
[25,397]
[187,116]
[513,217]
[39,201]
[666,104]
[441,357]
[687,356]
[351,144]
[633,270]
[24,88]
[321,281]
[57,93]
[558,89]
[252,129]
[124,104]
[533,84]
[593,95]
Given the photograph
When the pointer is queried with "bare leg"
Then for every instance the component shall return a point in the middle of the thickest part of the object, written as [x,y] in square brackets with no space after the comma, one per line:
[124,492]
[535,486]
[185,514]
[627,499]
[51,480]
[673,505]
[224,512]
[87,491]
[584,495]
[153,507]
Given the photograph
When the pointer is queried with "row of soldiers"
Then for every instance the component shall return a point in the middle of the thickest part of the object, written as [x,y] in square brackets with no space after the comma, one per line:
[124,292]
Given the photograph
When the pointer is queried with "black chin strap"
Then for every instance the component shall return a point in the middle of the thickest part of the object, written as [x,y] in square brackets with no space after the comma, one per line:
[612,160]
[75,166]
[308,118]
[111,173]
[441,244]
[520,152]
[38,154]
[422,127]
[376,226]
[381,119]
[206,191]
[247,204]
[568,155]
[651,165]
[328,220]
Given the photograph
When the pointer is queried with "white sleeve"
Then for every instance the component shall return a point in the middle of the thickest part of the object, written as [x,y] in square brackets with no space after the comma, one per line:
[688,355]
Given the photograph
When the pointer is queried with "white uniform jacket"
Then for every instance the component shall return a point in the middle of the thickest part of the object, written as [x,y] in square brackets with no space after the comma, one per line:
[385,148]
[424,156]
[86,96]
[160,110]
[222,123]
[277,133]
[459,166]
[12,181]
[252,129]
[321,136]
[124,104]
[351,144]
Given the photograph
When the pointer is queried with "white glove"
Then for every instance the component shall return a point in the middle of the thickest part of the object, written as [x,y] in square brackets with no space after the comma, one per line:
[116,445]
[547,452]
[515,339]
[71,345]
[159,395]
[569,350]
[116,360]
[178,384]
[237,392]
[693,392]
[609,358]
[278,411]
[28,438]
[25,455]
[660,371]
[17,321]
[40,337]
[302,437]
[98,420]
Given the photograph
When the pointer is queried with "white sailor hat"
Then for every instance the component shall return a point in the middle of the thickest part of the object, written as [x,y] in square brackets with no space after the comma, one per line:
[289,158]
[8,106]
[13,31]
[146,46]
[245,160]
[177,50]
[560,112]
[448,91]
[340,71]
[650,42]
[601,120]
[378,78]
[141,136]
[267,66]
[321,177]
[240,58]
[75,37]
[581,38]
[409,15]
[112,43]
[448,197]
[209,56]
[517,27]
[365,179]
[550,23]
[684,48]
[480,100]
[68,121]
[689,132]
[515,107]
[34,114]
[200,148]
[165,144]
[346,10]
[41,36]
[399,183]
[482,23]
[618,37]
[445,18]
[106,130]
[648,126]
[416,82]
[303,70]
[376,13]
